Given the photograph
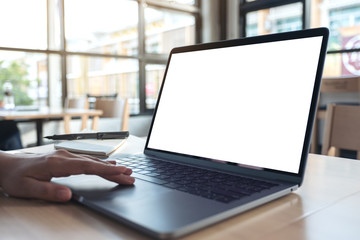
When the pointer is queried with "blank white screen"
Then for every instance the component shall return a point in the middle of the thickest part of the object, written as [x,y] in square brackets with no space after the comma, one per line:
[245,104]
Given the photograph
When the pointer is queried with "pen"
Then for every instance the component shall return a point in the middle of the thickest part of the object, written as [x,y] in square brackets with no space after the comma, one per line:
[98,135]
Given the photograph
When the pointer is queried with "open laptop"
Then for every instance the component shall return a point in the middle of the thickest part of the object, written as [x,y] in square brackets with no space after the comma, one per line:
[231,131]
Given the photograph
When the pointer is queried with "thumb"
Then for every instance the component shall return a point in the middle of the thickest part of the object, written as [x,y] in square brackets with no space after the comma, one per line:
[49,191]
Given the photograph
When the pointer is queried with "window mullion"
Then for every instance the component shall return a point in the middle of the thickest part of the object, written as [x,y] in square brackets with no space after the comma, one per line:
[63,50]
[141,52]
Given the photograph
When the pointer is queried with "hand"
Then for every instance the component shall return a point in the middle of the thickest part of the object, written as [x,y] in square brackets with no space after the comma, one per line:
[29,176]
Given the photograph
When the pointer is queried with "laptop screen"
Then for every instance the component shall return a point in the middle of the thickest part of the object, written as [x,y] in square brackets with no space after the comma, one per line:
[246,104]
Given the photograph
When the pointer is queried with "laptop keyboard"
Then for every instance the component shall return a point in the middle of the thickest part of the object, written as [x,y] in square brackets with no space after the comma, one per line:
[201,182]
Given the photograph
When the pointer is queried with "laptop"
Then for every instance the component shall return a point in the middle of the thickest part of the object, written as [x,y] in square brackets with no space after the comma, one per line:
[231,131]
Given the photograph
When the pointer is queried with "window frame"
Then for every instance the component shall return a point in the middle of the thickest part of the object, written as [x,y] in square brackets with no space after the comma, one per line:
[248,7]
[142,57]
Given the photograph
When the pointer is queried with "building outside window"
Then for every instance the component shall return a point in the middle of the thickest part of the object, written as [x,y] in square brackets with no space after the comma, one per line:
[52,49]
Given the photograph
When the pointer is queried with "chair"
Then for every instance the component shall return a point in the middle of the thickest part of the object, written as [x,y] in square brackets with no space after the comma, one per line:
[92,98]
[342,129]
[338,86]
[115,108]
[78,103]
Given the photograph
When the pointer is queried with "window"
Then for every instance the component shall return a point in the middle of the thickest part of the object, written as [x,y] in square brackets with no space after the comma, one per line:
[341,17]
[25,26]
[166,29]
[343,20]
[107,26]
[343,24]
[27,73]
[154,77]
[272,20]
[61,48]
[266,16]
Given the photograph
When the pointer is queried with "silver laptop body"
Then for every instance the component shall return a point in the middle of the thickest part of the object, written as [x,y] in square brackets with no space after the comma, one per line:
[241,107]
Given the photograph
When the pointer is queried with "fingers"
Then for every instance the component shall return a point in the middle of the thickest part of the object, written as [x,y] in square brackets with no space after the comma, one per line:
[50,192]
[30,177]
[61,153]
[75,164]
[120,178]
[32,188]
[69,167]
[64,164]
[111,162]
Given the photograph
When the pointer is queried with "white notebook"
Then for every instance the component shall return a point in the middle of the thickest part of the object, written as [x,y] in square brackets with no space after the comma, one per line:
[94,147]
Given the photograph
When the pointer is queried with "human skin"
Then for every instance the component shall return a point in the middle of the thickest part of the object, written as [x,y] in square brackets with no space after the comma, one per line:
[29,175]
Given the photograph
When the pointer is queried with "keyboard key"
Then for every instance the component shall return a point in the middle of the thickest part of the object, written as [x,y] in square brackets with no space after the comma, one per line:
[218,186]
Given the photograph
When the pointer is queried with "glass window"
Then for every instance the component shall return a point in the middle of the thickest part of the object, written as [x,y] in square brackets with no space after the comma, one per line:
[99,42]
[272,20]
[342,64]
[54,87]
[165,29]
[154,77]
[23,24]
[54,34]
[104,76]
[27,73]
[343,20]
[344,24]
[106,26]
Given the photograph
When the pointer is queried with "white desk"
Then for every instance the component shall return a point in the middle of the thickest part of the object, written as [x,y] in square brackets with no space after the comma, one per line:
[325,207]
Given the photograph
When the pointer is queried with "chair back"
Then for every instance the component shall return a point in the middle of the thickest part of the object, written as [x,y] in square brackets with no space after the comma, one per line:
[114,108]
[342,129]
[92,98]
[341,90]
[340,85]
[79,103]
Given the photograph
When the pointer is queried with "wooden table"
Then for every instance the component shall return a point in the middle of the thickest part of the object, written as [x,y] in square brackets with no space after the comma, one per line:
[46,114]
[325,207]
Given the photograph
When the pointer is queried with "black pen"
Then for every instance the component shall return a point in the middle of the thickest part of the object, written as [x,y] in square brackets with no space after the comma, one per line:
[97,135]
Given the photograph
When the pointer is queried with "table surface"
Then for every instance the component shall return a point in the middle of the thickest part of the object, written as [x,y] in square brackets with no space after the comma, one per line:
[47,113]
[326,206]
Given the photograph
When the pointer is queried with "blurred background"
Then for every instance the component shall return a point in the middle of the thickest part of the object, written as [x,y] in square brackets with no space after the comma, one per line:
[51,50]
